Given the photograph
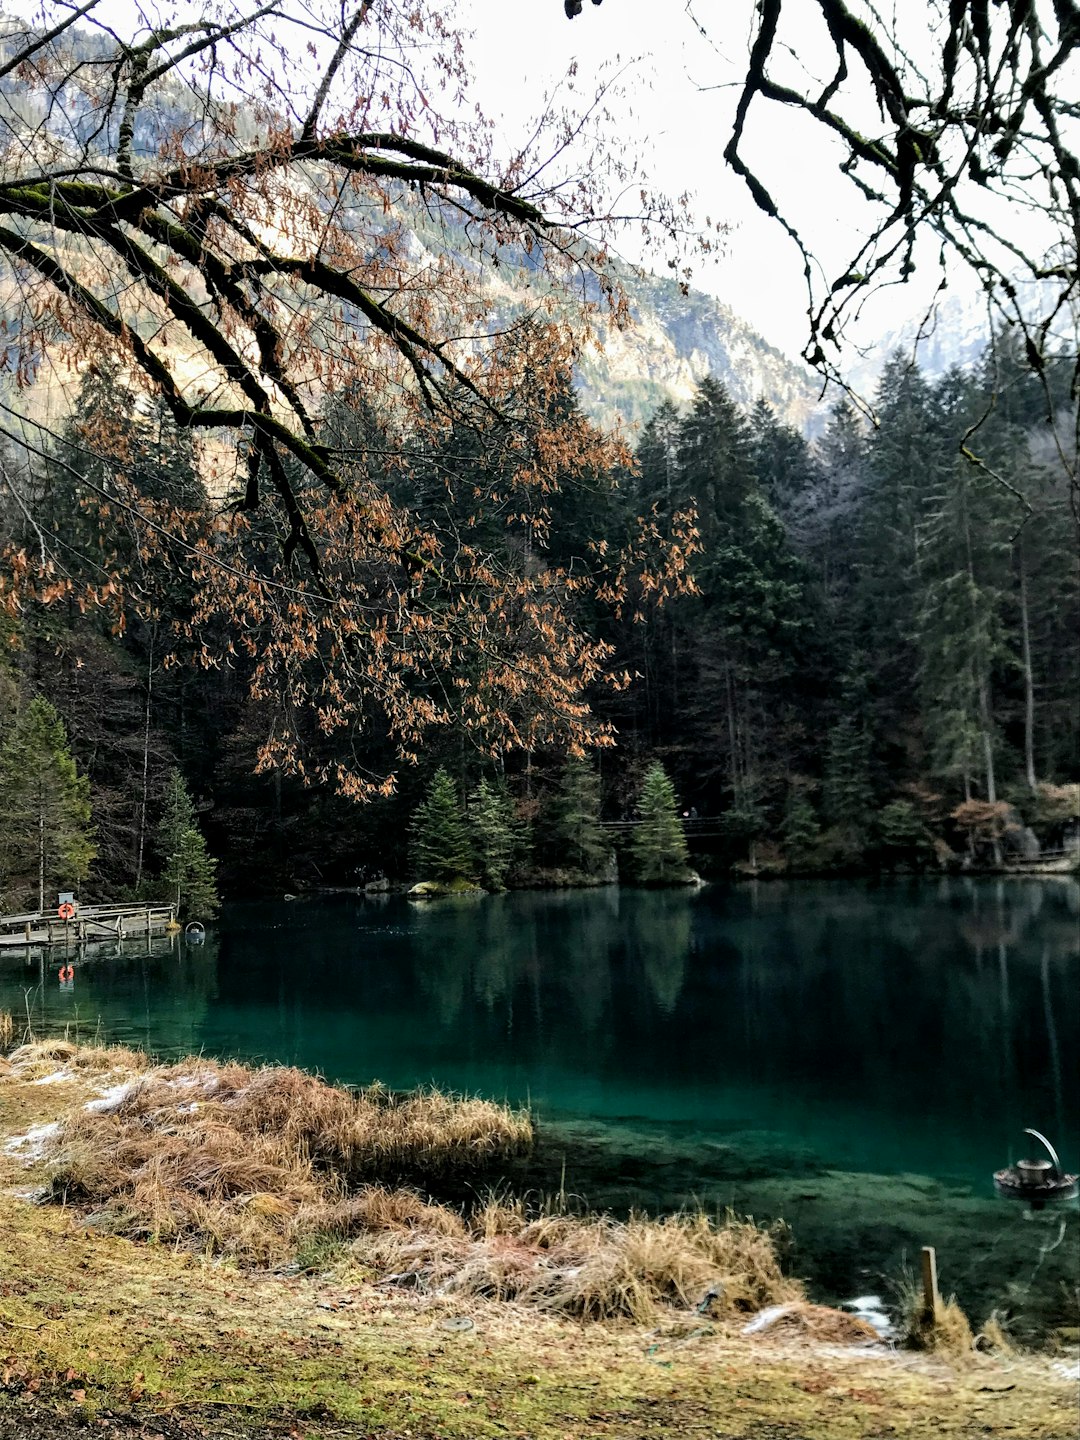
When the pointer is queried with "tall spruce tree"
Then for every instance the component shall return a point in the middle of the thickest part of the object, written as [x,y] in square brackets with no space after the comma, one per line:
[800,829]
[571,834]
[187,866]
[848,792]
[658,845]
[441,848]
[46,835]
[496,833]
[962,554]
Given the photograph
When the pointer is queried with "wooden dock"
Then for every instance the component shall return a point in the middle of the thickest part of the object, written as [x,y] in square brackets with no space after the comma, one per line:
[90,923]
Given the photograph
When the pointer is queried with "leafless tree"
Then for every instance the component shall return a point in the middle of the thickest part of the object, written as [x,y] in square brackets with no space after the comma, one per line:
[956,123]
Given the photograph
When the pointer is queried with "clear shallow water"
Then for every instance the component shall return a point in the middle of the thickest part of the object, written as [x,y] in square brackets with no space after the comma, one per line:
[857,1057]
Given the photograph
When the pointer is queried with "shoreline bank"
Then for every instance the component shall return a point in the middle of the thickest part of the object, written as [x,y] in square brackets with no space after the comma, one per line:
[96,1323]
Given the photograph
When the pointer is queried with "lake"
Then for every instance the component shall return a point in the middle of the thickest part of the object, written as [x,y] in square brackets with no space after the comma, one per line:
[856,1057]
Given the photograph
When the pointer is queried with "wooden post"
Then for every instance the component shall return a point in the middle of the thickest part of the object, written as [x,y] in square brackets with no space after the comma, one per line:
[931,1298]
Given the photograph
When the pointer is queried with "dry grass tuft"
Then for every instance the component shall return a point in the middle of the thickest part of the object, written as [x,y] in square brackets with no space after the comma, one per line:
[994,1338]
[272,1164]
[376,1210]
[255,1162]
[817,1322]
[7,1029]
[593,1268]
[44,1057]
[945,1331]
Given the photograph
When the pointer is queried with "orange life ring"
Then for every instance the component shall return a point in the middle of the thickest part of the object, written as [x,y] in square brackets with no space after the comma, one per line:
[66,911]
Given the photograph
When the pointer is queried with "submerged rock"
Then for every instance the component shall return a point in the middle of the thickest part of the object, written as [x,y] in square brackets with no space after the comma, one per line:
[436,889]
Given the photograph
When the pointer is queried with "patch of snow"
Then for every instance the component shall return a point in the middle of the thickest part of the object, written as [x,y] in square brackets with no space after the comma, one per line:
[187,1109]
[33,1144]
[110,1100]
[1067,1369]
[58,1077]
[871,1308]
[764,1318]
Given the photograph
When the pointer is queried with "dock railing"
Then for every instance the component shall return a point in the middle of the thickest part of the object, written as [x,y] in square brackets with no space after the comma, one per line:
[90,922]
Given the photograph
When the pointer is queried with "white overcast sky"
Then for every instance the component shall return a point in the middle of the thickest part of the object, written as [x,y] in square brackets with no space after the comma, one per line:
[683,90]
[675,118]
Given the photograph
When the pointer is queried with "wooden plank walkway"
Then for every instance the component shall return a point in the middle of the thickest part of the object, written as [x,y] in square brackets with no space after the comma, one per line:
[91,922]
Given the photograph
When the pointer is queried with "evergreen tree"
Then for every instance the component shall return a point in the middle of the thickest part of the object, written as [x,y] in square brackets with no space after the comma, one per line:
[658,845]
[962,552]
[572,837]
[495,832]
[440,837]
[187,868]
[902,460]
[848,794]
[800,829]
[784,465]
[46,838]
[820,517]
[715,458]
[658,483]
[902,831]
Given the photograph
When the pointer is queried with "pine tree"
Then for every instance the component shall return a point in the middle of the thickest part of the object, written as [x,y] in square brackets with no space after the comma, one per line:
[963,556]
[571,832]
[784,465]
[495,832]
[820,518]
[188,868]
[46,837]
[848,793]
[715,458]
[658,845]
[440,838]
[902,831]
[657,484]
[800,829]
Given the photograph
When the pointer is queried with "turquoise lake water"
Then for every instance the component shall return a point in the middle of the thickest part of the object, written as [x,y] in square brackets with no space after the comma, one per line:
[856,1057]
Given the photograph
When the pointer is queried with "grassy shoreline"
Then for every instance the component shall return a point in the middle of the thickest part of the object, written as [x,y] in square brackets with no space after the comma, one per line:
[176,1331]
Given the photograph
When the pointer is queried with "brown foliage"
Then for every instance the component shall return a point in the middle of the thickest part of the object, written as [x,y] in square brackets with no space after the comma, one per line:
[255,257]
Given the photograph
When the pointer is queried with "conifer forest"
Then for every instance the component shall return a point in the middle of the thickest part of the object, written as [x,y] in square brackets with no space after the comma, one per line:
[315,502]
[869,659]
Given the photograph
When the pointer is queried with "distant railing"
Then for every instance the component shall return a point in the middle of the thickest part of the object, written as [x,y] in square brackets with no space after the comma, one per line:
[1041,858]
[89,922]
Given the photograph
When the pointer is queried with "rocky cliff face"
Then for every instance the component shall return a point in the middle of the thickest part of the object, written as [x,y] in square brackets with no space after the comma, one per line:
[677,340]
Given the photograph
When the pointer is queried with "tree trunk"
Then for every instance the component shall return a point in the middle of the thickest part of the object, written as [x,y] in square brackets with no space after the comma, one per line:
[141,845]
[981,666]
[733,741]
[1029,687]
[988,754]
[41,852]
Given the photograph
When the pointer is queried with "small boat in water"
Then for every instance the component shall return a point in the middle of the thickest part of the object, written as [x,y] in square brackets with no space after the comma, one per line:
[1038,1182]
